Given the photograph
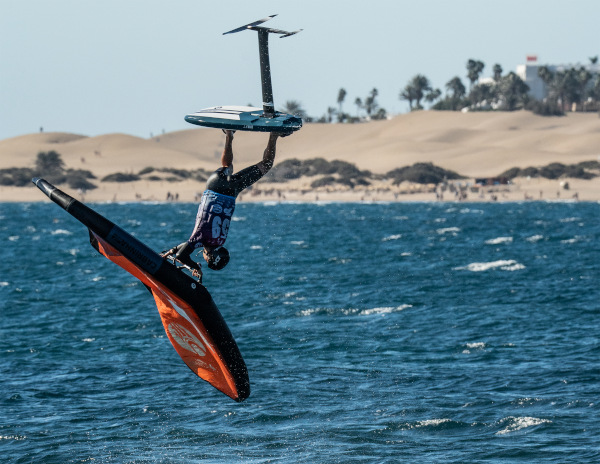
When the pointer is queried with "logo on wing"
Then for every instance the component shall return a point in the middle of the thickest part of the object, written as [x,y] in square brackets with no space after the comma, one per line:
[186,339]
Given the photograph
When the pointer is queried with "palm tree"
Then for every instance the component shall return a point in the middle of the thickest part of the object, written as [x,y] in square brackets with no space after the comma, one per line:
[433,95]
[458,90]
[340,98]
[545,75]
[513,90]
[294,107]
[497,72]
[594,91]
[583,78]
[482,93]
[359,104]
[371,102]
[420,85]
[474,69]
[408,94]
[330,113]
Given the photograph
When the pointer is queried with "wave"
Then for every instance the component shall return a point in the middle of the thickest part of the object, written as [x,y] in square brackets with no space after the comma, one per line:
[391,237]
[514,424]
[353,311]
[499,240]
[535,238]
[504,264]
[61,232]
[448,230]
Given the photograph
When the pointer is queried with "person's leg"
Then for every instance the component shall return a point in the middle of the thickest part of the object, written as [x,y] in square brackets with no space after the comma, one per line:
[227,157]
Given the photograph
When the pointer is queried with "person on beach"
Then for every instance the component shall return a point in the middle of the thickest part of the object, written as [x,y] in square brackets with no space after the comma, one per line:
[217,205]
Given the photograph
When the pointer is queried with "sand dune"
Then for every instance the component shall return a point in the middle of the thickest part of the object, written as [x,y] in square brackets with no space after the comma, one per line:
[473,144]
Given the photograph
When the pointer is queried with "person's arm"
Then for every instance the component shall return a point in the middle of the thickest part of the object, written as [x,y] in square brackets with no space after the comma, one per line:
[227,156]
[269,155]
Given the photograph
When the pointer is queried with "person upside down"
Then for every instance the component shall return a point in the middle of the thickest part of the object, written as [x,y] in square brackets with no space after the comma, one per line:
[217,206]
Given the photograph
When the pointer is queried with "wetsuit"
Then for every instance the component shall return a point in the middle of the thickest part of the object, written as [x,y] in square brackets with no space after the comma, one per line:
[216,209]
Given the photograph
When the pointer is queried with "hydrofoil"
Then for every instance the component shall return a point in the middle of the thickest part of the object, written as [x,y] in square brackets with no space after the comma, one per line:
[248,118]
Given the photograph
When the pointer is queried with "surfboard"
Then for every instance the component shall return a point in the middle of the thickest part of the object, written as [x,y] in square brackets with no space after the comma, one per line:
[245,118]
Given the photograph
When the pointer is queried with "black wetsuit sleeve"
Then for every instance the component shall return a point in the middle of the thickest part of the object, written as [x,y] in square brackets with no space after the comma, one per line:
[245,178]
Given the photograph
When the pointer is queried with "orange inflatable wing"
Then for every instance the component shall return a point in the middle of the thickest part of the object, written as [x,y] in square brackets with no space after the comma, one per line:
[189,315]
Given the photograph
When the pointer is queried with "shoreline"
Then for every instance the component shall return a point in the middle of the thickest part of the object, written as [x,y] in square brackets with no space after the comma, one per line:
[535,189]
[477,145]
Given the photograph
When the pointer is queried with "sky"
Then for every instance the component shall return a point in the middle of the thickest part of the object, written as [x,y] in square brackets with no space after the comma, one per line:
[138,67]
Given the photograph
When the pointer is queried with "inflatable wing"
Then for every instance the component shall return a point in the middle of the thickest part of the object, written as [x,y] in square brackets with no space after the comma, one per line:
[189,315]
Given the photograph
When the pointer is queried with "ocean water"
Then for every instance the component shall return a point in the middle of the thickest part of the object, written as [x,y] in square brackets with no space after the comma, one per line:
[375,333]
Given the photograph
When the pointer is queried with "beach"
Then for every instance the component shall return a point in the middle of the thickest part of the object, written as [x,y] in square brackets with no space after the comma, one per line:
[476,145]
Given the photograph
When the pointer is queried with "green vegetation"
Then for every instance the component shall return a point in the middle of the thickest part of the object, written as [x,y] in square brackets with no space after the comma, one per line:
[583,170]
[173,175]
[422,173]
[575,86]
[340,172]
[121,177]
[329,173]
[507,92]
[50,166]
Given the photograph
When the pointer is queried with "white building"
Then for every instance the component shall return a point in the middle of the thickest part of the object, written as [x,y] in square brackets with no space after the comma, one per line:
[537,88]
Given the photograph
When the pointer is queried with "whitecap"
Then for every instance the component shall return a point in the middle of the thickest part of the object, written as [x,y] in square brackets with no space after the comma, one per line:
[13,437]
[391,237]
[469,210]
[476,345]
[4,284]
[61,232]
[354,311]
[406,253]
[570,240]
[513,267]
[570,219]
[384,310]
[431,422]
[335,259]
[534,238]
[97,279]
[238,218]
[88,340]
[504,264]
[297,242]
[515,424]
[446,230]
[256,247]
[499,240]
[13,238]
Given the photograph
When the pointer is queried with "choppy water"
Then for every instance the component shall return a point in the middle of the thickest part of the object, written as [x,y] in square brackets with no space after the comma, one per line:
[372,333]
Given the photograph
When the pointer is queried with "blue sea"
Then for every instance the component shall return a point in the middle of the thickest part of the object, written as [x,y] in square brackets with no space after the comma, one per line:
[373,333]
